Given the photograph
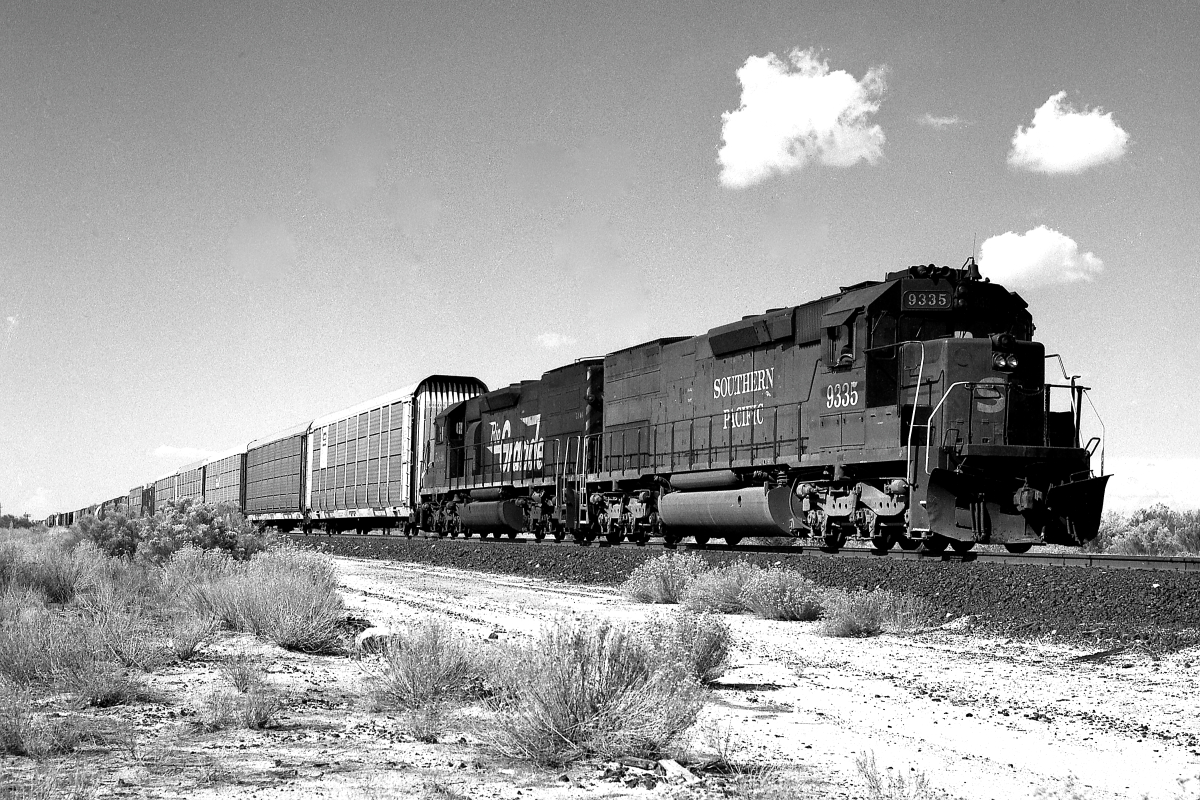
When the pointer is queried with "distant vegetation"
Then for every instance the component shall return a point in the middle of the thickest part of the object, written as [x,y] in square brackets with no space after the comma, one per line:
[1153,531]
[10,521]
[180,524]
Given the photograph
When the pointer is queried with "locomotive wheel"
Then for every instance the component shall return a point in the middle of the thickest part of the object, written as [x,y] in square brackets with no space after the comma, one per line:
[614,536]
[1019,548]
[907,543]
[883,541]
[960,546]
[833,534]
[580,537]
[539,533]
[670,540]
[453,534]
[701,540]
[560,533]
[730,541]
[935,544]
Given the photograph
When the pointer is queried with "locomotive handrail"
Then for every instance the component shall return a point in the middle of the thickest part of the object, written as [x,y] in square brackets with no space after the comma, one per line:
[928,426]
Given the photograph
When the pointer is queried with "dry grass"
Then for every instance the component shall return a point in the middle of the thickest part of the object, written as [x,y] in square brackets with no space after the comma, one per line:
[719,590]
[663,579]
[861,613]
[700,642]
[777,593]
[288,595]
[422,664]
[255,709]
[893,786]
[589,688]
[242,670]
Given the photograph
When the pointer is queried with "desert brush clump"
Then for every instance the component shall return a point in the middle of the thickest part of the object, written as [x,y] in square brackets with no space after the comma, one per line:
[663,579]
[589,688]
[178,524]
[720,589]
[700,642]
[286,595]
[782,594]
[1154,531]
[863,613]
[422,663]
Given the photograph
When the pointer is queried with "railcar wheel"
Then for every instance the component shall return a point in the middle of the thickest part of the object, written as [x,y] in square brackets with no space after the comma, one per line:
[453,533]
[701,540]
[730,541]
[539,533]
[614,537]
[511,535]
[935,544]
[1024,547]
[961,546]
[670,541]
[560,533]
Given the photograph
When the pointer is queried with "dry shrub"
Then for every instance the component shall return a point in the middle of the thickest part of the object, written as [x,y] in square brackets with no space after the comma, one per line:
[242,670]
[187,633]
[861,613]
[698,642]
[425,663]
[287,595]
[719,590]
[893,786]
[783,594]
[663,579]
[255,709]
[56,784]
[26,733]
[49,567]
[131,639]
[590,688]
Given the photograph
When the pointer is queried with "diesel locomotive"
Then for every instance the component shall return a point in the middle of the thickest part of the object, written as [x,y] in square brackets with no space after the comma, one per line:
[912,411]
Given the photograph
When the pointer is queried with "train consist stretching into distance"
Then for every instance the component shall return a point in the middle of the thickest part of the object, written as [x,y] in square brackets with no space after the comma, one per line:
[912,411]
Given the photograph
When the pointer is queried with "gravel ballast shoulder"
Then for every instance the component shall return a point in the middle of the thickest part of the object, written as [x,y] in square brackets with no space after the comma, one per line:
[1027,600]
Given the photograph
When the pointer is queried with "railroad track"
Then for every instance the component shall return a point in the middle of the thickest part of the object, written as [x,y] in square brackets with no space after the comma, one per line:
[1092,560]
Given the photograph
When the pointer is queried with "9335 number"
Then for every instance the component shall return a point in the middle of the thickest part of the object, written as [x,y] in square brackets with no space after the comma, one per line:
[841,395]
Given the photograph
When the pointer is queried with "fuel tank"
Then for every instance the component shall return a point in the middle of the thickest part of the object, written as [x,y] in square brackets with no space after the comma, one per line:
[749,511]
[714,479]
[489,517]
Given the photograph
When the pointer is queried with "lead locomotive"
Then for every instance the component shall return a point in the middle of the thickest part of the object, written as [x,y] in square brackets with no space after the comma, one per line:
[911,411]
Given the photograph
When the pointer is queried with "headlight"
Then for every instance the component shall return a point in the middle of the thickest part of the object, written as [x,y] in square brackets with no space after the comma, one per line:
[1012,362]
[1000,361]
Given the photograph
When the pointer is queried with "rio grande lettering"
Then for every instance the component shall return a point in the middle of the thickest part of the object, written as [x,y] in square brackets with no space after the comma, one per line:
[758,380]
[518,455]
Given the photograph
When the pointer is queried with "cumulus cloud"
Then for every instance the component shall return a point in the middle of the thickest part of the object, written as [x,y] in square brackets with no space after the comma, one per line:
[183,453]
[1063,140]
[934,121]
[794,113]
[552,341]
[1039,256]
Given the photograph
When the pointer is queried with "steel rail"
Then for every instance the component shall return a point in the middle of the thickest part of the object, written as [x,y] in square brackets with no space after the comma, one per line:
[1085,560]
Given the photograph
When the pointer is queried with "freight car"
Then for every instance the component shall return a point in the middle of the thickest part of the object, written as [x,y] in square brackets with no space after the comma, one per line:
[911,411]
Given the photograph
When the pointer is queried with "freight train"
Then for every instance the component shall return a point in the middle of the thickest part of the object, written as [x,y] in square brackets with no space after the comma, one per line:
[911,412]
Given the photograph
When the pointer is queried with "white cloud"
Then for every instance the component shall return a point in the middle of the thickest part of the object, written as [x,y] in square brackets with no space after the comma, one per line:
[790,116]
[183,453]
[1039,256]
[1063,140]
[552,341]
[939,122]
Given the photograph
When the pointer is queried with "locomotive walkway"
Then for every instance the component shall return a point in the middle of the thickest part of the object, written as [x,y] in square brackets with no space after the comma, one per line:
[1056,559]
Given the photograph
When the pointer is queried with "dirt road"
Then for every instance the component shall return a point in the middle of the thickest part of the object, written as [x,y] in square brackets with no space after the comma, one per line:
[981,717]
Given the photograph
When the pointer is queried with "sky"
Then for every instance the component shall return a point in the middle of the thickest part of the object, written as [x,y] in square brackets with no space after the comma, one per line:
[221,219]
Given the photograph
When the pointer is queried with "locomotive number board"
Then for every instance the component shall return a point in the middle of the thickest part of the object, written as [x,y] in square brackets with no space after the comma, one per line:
[916,300]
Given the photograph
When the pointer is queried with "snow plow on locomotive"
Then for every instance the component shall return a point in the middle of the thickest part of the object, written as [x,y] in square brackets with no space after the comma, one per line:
[912,411]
